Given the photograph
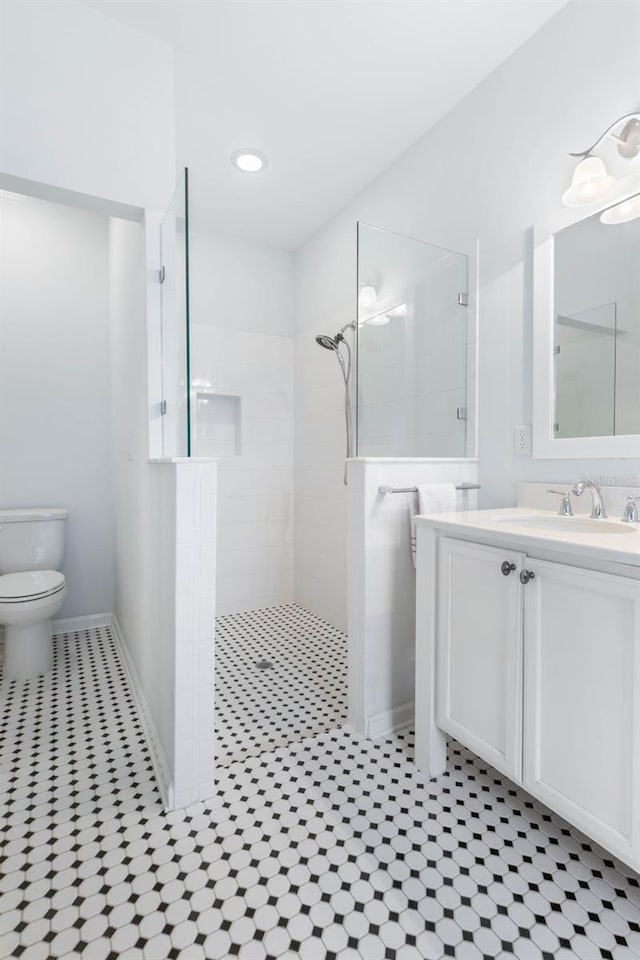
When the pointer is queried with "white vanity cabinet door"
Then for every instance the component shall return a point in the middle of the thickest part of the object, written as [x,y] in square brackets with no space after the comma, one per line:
[479,651]
[582,700]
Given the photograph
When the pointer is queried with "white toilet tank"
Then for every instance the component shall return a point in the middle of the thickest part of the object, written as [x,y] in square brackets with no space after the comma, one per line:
[32,539]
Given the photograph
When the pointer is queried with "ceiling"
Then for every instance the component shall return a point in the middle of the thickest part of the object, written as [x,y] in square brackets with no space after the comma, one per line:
[332,92]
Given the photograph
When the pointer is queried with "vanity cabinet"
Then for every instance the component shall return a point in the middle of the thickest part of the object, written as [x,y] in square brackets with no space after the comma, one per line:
[542,680]
[479,693]
[582,700]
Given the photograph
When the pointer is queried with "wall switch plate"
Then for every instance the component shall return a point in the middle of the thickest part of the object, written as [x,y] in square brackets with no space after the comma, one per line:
[522,440]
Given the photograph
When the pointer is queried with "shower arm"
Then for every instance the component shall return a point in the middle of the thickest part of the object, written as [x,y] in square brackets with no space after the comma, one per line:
[343,330]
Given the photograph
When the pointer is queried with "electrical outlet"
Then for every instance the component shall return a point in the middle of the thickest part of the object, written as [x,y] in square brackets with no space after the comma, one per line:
[522,440]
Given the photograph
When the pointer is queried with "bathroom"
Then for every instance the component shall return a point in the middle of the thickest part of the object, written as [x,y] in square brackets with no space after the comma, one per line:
[230,503]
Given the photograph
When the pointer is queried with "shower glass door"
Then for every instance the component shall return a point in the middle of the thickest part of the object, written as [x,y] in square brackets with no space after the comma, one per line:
[176,401]
[411,357]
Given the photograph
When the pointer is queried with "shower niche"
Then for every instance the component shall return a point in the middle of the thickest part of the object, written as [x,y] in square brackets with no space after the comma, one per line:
[217,425]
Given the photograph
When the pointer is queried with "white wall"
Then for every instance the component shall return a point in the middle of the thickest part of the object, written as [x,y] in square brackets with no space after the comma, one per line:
[55,441]
[324,299]
[165,541]
[144,495]
[194,537]
[242,346]
[506,174]
[87,103]
[382,585]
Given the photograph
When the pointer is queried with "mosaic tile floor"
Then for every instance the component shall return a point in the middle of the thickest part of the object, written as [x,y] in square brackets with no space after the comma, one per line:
[334,847]
[302,693]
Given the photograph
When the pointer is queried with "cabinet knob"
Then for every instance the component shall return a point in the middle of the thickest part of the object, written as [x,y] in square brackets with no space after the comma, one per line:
[526,575]
[507,568]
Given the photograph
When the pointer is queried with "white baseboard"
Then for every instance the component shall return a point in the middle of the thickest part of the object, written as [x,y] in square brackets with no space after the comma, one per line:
[73,624]
[383,724]
[158,758]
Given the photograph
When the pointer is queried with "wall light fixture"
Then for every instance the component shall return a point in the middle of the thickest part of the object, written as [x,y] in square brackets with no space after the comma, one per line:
[591,181]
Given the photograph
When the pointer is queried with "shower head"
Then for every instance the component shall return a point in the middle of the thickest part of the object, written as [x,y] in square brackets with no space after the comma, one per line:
[340,346]
[329,343]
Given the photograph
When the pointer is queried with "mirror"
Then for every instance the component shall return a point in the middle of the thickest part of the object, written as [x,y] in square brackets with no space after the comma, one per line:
[587,340]
[597,329]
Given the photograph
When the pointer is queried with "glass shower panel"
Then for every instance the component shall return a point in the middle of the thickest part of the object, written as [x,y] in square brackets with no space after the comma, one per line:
[174,246]
[411,358]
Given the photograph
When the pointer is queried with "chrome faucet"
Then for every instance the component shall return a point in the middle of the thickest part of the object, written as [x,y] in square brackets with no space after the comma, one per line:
[598,509]
[631,514]
[565,505]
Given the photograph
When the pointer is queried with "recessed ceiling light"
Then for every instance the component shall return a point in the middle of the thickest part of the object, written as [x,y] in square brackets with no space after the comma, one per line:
[249,160]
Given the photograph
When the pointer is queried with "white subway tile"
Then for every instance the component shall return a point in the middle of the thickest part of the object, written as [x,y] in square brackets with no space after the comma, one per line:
[206,615]
[206,665]
[184,672]
[207,519]
[206,753]
[184,479]
[185,632]
[185,518]
[184,770]
[207,554]
[184,567]
[206,479]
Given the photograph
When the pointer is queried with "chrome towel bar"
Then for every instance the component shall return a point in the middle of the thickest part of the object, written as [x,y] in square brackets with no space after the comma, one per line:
[383,491]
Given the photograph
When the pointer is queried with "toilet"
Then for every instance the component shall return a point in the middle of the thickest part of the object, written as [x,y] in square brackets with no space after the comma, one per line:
[32,589]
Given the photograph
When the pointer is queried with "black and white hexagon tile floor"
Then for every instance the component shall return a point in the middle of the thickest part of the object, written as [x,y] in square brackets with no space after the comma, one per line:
[300,691]
[330,847]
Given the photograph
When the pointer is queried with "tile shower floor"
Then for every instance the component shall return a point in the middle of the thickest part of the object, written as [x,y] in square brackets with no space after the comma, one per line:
[281,675]
[330,847]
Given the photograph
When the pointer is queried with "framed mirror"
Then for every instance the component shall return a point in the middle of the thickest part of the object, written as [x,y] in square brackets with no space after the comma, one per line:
[586,400]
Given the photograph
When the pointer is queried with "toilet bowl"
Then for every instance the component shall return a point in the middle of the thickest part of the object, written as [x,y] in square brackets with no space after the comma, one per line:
[32,589]
[28,601]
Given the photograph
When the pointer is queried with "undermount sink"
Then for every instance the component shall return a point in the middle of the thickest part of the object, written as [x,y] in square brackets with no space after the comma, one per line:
[573,525]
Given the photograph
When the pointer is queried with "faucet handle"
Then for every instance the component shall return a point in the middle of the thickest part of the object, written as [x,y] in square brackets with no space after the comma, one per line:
[630,514]
[565,506]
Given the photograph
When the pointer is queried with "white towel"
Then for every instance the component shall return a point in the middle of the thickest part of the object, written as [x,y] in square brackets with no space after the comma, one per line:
[432,498]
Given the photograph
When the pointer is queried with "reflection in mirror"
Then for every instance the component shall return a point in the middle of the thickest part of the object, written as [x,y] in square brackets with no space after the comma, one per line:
[597,329]
[412,333]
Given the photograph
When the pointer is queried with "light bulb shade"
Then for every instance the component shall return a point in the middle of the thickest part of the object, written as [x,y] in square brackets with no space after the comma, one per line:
[380,320]
[367,297]
[590,182]
[622,212]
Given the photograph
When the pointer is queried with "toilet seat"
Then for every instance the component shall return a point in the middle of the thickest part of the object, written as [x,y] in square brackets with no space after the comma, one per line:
[30,585]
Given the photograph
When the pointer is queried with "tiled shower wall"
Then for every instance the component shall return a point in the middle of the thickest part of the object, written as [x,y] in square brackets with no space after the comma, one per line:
[242,350]
[253,438]
[245,363]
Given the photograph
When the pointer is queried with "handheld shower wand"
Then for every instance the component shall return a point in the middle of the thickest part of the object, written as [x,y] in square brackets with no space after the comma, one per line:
[334,344]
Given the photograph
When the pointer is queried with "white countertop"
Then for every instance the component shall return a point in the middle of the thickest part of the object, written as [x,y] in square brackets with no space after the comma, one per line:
[623,547]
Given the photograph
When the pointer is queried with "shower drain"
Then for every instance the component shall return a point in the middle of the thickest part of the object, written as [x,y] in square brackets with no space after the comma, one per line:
[264,665]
